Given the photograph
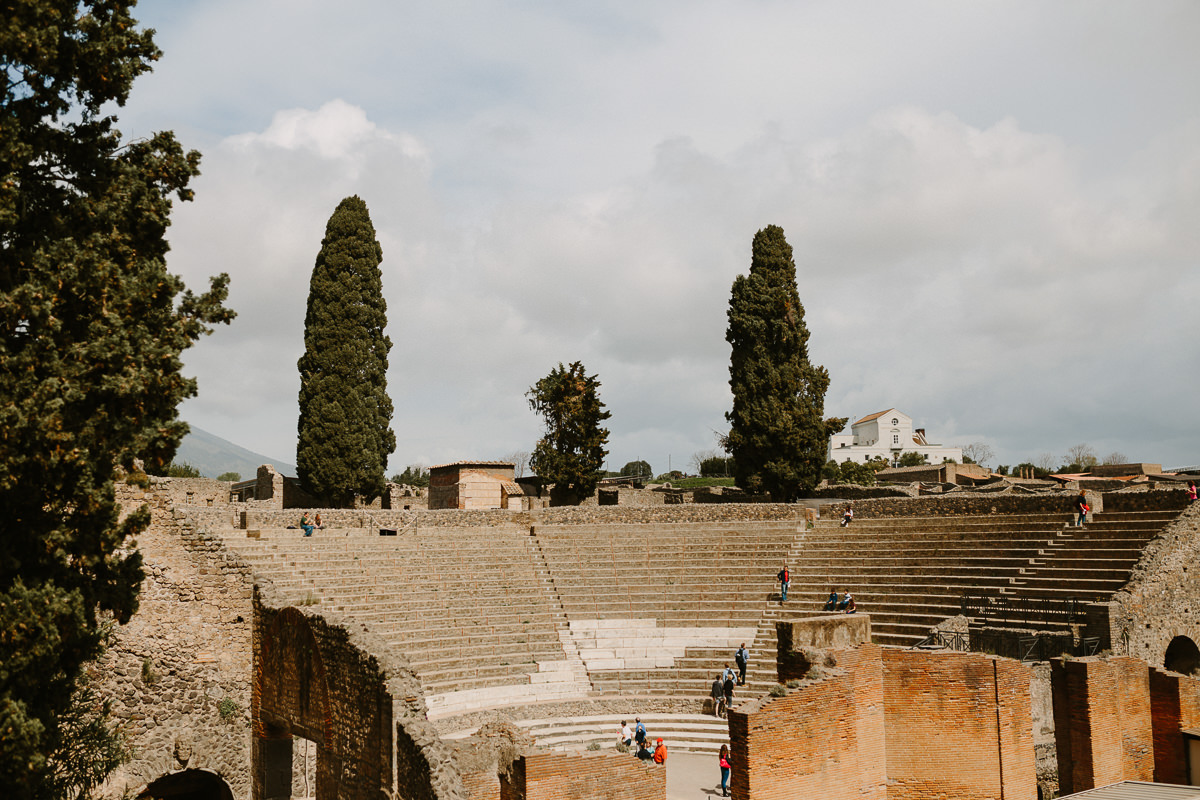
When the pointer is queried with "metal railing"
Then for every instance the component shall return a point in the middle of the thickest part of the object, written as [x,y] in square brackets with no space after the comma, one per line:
[1023,610]
[1038,647]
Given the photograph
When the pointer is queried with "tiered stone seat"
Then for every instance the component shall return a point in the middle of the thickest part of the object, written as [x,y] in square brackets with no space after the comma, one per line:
[658,609]
[466,607]
[910,573]
[694,733]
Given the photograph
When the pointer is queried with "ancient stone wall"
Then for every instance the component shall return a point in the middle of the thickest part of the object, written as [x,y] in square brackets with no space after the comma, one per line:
[593,775]
[1119,719]
[178,673]
[958,725]
[1147,500]
[954,505]
[253,518]
[823,739]
[1161,601]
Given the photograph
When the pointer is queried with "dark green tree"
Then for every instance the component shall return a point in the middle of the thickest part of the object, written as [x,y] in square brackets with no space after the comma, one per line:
[637,469]
[777,437]
[345,434]
[911,458]
[571,453]
[91,329]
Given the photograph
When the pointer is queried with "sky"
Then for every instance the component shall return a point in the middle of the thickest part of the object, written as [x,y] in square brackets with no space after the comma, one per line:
[993,208]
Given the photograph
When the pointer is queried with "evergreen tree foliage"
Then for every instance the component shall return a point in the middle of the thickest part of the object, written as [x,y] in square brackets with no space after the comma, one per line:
[345,434]
[637,469]
[91,329]
[777,436]
[571,453]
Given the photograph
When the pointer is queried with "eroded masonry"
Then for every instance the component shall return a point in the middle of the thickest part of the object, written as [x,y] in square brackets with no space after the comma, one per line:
[485,654]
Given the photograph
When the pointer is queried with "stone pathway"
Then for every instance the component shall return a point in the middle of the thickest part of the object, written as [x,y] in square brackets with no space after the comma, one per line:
[692,776]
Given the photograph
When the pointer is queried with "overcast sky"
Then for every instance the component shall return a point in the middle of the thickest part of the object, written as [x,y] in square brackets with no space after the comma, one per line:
[994,208]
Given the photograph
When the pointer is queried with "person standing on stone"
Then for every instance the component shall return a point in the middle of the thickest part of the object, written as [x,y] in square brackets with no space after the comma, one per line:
[784,577]
[1082,506]
[306,523]
[660,753]
[1191,491]
[728,692]
[723,760]
[741,658]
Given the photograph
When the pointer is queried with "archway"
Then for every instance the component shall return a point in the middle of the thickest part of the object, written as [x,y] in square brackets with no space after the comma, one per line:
[1182,656]
[191,784]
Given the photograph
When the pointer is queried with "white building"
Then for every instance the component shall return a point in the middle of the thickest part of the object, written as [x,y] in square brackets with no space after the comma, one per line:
[887,435]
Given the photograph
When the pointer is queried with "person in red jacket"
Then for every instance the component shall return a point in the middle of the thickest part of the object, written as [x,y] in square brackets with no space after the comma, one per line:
[660,753]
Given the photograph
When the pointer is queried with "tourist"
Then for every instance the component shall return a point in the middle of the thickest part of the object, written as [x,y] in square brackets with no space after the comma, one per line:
[723,760]
[639,732]
[851,608]
[848,517]
[718,695]
[784,577]
[318,523]
[832,601]
[847,599]
[306,523]
[742,658]
[728,692]
[1081,504]
[644,751]
[728,673]
[660,753]
[626,737]
[1191,491]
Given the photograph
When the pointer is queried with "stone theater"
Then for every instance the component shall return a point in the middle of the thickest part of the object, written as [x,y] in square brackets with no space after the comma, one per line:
[492,653]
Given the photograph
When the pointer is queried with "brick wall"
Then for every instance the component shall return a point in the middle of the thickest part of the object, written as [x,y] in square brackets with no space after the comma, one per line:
[824,739]
[1174,705]
[957,725]
[591,775]
[1101,722]
[1120,719]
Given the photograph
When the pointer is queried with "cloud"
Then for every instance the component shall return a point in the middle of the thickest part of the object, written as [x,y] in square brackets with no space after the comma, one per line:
[992,208]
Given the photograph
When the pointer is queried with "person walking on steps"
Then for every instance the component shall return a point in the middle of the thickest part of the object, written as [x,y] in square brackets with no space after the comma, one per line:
[741,658]
[723,760]
[1082,506]
[718,696]
[784,577]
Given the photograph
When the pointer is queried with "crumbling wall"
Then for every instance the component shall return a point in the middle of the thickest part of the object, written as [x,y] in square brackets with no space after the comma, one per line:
[1161,601]
[178,674]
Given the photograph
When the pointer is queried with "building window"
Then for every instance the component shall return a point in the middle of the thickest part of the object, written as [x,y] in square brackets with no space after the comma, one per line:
[896,438]
[895,421]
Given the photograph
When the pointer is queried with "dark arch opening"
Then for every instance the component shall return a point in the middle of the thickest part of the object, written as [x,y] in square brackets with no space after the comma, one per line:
[191,784]
[1182,656]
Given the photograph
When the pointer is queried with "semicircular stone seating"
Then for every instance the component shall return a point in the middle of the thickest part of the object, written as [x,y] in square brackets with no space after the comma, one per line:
[512,617]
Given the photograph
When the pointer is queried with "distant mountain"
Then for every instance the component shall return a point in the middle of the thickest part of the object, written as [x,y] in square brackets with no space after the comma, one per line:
[215,456]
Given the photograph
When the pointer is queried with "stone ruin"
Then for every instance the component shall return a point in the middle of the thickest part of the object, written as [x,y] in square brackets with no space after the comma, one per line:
[478,654]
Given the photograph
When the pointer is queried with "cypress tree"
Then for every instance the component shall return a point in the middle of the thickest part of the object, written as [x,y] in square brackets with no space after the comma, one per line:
[345,434]
[777,436]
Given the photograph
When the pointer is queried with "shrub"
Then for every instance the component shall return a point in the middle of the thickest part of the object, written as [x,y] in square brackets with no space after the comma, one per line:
[593,746]
[227,709]
[778,690]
